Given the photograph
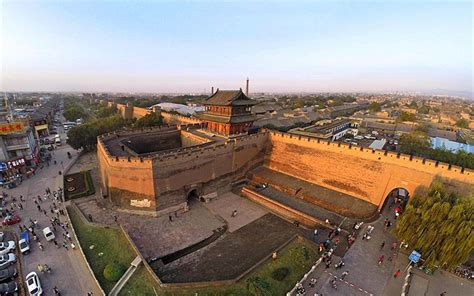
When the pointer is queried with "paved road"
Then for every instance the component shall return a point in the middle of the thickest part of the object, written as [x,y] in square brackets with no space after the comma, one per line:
[69,271]
[366,276]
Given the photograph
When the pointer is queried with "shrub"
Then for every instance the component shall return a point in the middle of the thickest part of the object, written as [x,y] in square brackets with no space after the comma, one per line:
[113,271]
[280,274]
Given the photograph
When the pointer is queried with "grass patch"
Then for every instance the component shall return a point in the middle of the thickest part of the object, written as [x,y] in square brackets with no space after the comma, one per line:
[109,242]
[297,258]
[82,182]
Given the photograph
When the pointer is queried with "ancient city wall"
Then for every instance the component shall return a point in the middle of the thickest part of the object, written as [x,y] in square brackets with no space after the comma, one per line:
[208,169]
[126,180]
[361,172]
[164,180]
[170,118]
[129,112]
[137,112]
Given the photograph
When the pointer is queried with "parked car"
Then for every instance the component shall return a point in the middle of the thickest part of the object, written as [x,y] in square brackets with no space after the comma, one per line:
[33,284]
[8,274]
[24,242]
[48,234]
[7,247]
[8,288]
[12,219]
[6,260]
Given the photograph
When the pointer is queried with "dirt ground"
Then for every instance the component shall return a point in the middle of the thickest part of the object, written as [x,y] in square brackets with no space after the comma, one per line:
[232,254]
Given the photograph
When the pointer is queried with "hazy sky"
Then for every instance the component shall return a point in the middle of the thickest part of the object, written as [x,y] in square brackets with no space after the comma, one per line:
[179,46]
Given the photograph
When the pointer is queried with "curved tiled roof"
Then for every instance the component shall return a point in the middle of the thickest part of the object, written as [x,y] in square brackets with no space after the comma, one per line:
[229,98]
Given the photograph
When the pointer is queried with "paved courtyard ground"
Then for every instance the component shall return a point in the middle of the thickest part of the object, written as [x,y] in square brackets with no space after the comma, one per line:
[232,254]
[157,236]
[247,211]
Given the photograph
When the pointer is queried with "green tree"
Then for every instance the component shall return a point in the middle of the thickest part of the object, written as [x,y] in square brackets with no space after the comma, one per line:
[375,107]
[413,104]
[406,116]
[85,135]
[74,112]
[439,225]
[415,143]
[424,109]
[103,112]
[462,123]
[151,119]
[423,127]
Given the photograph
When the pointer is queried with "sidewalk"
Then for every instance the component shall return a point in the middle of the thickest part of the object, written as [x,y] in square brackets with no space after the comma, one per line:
[69,270]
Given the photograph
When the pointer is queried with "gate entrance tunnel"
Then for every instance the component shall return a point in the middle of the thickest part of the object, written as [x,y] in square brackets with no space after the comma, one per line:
[193,196]
[398,197]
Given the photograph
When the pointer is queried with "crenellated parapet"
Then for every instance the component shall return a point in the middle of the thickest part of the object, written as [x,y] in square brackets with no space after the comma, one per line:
[380,155]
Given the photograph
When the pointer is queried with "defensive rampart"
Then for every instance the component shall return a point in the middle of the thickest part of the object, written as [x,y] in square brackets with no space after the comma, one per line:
[129,111]
[361,172]
[162,182]
[170,118]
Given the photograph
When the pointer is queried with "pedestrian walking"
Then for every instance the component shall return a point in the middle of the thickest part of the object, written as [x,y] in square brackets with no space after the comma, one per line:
[394,246]
[315,233]
[330,233]
[382,245]
[396,274]
[344,274]
[328,264]
[170,218]
[381,258]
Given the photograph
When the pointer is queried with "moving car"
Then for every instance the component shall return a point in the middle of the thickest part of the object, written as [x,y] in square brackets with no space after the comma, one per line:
[8,288]
[6,247]
[33,284]
[7,274]
[6,260]
[24,242]
[48,234]
[12,219]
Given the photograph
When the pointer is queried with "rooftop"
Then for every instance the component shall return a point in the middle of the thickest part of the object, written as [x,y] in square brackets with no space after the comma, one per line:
[229,98]
[153,141]
[327,128]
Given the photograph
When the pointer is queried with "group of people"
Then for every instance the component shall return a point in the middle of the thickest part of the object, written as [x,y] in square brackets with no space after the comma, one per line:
[49,204]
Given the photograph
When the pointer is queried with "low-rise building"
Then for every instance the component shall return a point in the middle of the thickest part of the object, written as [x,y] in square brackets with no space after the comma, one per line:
[330,131]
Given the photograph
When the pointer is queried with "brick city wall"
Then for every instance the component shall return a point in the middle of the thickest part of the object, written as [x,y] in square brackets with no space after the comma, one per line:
[162,182]
[137,112]
[178,119]
[208,169]
[126,180]
[361,172]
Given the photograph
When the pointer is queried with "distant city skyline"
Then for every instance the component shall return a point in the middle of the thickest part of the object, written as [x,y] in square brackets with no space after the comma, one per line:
[300,46]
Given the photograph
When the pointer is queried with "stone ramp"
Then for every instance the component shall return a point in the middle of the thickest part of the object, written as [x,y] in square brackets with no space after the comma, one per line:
[126,276]
[322,197]
[232,254]
[156,237]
